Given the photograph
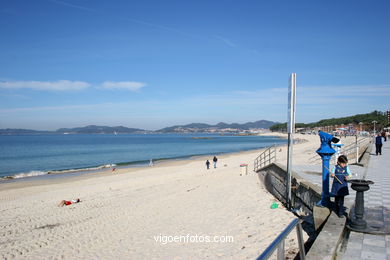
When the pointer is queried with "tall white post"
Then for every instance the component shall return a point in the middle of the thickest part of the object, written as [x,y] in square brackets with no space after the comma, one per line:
[290,132]
[357,149]
[374,122]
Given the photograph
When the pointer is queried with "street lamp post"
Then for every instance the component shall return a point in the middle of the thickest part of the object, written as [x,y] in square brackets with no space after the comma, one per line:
[374,122]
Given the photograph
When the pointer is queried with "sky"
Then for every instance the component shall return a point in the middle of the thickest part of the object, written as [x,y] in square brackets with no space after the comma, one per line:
[152,64]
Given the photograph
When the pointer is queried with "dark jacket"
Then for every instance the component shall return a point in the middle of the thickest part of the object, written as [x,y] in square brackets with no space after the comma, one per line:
[378,140]
[340,189]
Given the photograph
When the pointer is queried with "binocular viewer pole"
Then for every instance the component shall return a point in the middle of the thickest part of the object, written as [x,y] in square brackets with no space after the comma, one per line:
[326,151]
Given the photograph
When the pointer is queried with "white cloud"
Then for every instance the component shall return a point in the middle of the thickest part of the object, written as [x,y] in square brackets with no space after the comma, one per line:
[60,85]
[127,85]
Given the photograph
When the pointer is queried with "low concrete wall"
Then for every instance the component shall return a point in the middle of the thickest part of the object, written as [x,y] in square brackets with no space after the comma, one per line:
[326,244]
[304,194]
[365,157]
[362,151]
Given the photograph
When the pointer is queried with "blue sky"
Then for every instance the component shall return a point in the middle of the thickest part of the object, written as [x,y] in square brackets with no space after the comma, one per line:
[151,64]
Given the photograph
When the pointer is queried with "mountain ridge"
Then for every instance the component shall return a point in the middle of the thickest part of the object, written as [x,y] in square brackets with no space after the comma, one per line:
[265,124]
[96,129]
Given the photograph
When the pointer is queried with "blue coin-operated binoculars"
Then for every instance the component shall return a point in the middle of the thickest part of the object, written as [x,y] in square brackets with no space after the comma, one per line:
[326,151]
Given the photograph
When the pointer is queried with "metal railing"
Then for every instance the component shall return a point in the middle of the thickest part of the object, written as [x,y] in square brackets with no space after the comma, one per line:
[278,243]
[315,159]
[267,157]
[350,149]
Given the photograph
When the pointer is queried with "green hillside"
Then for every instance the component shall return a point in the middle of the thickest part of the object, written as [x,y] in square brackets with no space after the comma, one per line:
[366,119]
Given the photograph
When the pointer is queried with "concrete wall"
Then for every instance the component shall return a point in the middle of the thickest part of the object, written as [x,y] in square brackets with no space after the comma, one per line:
[304,194]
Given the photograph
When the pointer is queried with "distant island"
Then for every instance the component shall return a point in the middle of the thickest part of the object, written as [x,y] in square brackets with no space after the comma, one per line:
[234,128]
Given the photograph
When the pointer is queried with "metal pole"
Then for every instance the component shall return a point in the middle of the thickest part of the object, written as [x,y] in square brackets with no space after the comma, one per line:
[374,126]
[357,149]
[289,163]
[290,131]
[325,201]
[301,244]
[280,253]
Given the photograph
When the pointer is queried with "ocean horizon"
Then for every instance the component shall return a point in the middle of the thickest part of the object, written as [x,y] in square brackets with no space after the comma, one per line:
[36,155]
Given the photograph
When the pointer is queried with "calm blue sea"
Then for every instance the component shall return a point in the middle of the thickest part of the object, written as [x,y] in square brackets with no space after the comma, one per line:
[31,155]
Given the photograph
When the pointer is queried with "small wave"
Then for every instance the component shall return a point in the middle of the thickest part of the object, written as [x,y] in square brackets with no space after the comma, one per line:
[83,169]
[24,175]
[39,173]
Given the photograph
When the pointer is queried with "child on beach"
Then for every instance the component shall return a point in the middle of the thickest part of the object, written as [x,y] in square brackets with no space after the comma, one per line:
[208,164]
[341,174]
[68,202]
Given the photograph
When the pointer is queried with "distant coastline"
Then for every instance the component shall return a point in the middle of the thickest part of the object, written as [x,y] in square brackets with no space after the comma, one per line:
[250,127]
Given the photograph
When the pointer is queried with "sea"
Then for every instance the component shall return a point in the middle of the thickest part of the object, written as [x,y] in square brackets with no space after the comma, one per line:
[23,156]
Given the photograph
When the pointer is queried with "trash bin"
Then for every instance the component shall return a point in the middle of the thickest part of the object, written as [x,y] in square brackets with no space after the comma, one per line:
[244,169]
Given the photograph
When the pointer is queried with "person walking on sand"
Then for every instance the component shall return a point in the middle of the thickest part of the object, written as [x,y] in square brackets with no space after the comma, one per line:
[378,144]
[215,160]
[208,164]
[341,174]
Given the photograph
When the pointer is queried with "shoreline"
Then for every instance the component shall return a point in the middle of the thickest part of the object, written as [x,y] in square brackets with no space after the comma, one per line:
[44,180]
[121,212]
[104,169]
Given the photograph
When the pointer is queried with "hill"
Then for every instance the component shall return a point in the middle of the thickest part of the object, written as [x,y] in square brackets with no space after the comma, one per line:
[94,129]
[16,131]
[200,127]
[366,119]
[192,128]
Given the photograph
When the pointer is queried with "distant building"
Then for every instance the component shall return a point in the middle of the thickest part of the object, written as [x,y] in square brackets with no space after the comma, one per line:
[388,116]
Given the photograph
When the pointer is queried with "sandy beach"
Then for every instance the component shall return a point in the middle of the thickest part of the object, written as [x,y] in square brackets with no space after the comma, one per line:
[128,213]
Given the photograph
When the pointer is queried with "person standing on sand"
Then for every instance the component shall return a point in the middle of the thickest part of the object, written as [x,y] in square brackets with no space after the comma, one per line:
[378,144]
[208,164]
[215,161]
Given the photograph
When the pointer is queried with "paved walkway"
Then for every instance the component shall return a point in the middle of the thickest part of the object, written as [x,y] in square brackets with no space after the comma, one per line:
[377,210]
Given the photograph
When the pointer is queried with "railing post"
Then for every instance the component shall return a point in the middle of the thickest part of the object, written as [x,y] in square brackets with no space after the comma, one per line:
[279,243]
[357,149]
[280,253]
[302,253]
[357,154]
[266,157]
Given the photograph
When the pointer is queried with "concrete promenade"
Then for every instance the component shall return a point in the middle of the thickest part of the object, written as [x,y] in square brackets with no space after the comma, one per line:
[377,212]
